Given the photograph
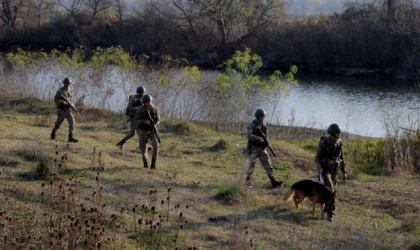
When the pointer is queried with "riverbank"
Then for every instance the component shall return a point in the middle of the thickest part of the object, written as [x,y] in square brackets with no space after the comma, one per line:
[197,163]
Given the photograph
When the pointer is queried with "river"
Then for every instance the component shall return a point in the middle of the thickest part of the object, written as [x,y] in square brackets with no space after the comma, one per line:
[362,106]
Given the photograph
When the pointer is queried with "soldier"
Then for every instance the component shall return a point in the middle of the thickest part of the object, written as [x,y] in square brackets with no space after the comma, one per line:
[328,158]
[64,110]
[147,116]
[257,148]
[134,102]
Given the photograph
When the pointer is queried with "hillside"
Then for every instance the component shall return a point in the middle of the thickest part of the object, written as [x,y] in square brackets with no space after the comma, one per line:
[97,194]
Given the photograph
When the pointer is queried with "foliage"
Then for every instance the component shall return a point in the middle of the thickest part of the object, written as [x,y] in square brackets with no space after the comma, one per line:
[239,85]
[230,194]
[363,35]
[112,56]
[42,170]
[222,145]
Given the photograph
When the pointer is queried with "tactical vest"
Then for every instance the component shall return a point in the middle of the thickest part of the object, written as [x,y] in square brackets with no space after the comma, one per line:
[145,116]
[257,132]
[330,153]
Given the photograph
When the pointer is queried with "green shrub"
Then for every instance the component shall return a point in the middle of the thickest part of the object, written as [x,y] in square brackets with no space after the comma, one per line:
[411,224]
[221,145]
[42,170]
[229,194]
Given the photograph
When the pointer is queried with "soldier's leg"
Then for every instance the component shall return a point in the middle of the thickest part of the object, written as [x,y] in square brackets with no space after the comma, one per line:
[143,138]
[266,163]
[72,123]
[155,146]
[130,134]
[61,115]
[252,160]
[132,131]
[334,182]
[328,182]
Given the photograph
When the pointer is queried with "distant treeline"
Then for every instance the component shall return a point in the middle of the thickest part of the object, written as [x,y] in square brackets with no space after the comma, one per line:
[364,39]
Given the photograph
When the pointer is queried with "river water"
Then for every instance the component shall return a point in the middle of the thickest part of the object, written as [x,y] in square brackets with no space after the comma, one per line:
[363,106]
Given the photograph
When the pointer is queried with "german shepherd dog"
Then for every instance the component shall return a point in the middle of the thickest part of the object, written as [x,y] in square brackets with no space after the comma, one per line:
[315,191]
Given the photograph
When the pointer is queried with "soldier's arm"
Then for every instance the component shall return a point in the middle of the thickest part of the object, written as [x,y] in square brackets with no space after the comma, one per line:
[342,162]
[58,99]
[157,117]
[250,135]
[318,157]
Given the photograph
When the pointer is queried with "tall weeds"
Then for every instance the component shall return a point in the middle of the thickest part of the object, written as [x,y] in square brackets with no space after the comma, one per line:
[71,220]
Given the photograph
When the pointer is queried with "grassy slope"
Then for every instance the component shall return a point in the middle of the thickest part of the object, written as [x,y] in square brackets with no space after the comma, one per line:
[374,212]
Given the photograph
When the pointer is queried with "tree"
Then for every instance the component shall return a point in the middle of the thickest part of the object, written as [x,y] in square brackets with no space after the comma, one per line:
[72,6]
[35,12]
[235,20]
[9,10]
[390,4]
[120,6]
[97,6]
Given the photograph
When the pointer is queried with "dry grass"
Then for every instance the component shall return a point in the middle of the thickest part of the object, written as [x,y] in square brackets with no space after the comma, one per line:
[374,212]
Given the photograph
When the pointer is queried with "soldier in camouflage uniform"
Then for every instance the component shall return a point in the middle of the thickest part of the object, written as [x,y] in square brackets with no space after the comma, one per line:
[134,102]
[328,158]
[257,148]
[145,129]
[64,110]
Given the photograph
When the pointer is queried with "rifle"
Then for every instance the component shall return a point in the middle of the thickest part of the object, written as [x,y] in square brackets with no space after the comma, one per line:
[266,141]
[153,125]
[70,103]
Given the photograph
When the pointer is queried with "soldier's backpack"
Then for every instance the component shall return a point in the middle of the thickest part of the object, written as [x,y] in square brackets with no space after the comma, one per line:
[322,139]
[127,109]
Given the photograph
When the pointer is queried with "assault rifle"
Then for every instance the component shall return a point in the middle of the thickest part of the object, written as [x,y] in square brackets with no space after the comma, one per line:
[70,103]
[153,125]
[266,141]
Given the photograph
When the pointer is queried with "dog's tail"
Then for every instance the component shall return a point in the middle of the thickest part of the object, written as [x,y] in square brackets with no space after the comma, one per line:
[289,196]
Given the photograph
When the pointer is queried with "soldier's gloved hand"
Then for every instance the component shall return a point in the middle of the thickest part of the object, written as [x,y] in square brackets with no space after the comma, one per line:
[344,177]
[261,140]
[148,123]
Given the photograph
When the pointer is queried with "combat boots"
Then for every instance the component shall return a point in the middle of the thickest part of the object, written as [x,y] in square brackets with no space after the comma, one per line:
[329,209]
[248,181]
[145,165]
[52,135]
[72,139]
[120,144]
[153,166]
[275,183]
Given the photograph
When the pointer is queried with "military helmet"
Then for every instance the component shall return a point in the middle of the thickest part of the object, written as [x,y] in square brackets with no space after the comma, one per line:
[259,113]
[140,90]
[147,98]
[334,129]
[67,80]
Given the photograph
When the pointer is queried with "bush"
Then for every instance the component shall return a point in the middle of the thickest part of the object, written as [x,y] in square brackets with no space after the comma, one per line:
[229,194]
[221,145]
[42,170]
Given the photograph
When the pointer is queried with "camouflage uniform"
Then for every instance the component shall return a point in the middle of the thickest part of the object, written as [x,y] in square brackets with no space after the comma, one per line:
[64,111]
[146,132]
[133,104]
[328,158]
[257,149]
